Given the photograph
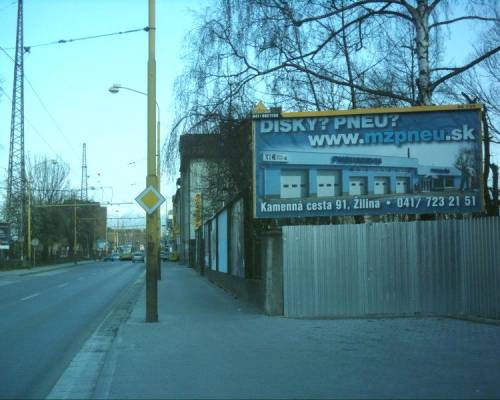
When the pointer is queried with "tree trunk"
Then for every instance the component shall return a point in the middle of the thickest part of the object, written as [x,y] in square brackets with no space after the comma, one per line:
[421,22]
[486,170]
[495,201]
[345,49]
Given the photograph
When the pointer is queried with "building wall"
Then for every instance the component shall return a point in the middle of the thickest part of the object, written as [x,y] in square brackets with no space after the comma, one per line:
[193,182]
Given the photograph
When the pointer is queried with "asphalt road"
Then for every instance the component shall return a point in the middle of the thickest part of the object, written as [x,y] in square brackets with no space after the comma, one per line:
[45,318]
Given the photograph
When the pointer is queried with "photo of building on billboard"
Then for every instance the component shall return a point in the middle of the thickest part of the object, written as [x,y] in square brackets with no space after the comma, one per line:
[368,162]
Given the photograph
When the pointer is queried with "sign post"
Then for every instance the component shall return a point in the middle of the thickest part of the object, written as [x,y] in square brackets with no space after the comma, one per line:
[35,242]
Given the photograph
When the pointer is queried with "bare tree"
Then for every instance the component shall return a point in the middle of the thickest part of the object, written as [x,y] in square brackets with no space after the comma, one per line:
[481,84]
[320,54]
[49,180]
[49,186]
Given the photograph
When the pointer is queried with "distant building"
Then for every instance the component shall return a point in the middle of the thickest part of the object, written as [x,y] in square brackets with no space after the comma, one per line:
[197,151]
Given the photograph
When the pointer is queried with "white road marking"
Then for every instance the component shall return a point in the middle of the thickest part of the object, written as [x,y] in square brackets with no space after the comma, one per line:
[63,284]
[30,297]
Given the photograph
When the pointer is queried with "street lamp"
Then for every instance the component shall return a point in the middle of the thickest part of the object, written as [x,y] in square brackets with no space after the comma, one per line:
[115,88]
[152,225]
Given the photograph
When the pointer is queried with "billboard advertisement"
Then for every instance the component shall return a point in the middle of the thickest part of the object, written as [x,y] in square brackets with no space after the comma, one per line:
[368,162]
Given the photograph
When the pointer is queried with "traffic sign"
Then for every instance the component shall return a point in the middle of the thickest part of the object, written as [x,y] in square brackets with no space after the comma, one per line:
[35,242]
[150,199]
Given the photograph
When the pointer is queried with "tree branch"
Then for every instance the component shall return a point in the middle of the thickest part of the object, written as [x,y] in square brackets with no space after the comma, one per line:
[459,70]
[362,88]
[467,17]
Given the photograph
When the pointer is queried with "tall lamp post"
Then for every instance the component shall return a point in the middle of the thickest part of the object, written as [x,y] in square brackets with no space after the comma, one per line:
[152,228]
[115,89]
[152,219]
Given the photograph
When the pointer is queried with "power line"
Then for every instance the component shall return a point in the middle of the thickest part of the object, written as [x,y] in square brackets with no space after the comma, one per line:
[8,5]
[33,127]
[39,98]
[27,49]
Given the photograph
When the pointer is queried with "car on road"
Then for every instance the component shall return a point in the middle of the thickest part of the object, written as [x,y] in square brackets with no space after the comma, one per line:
[126,256]
[111,257]
[138,256]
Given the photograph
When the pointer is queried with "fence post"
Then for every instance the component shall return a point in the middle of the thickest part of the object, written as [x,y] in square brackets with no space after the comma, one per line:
[272,266]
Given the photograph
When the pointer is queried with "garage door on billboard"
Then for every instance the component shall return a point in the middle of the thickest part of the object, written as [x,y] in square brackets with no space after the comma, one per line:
[329,184]
[368,162]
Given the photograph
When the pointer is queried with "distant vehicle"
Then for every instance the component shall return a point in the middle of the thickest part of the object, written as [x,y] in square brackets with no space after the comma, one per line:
[138,256]
[164,255]
[111,257]
[126,256]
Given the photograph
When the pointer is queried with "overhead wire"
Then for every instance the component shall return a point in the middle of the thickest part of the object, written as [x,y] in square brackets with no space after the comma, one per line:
[56,42]
[8,5]
[40,100]
[65,41]
[34,128]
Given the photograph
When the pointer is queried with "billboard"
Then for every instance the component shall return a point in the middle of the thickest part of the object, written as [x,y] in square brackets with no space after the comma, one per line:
[368,162]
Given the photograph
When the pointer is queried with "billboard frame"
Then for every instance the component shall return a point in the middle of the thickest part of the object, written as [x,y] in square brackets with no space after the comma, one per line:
[475,204]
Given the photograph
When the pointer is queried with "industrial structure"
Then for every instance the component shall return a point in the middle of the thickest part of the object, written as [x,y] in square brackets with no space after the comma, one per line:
[84,184]
[15,211]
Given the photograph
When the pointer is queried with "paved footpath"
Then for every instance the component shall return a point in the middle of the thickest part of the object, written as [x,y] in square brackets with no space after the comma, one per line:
[210,345]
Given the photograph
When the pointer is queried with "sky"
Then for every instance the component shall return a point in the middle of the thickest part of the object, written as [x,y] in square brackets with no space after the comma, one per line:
[72,81]
[72,104]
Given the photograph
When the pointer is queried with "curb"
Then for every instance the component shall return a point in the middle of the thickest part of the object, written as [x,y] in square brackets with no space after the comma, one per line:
[39,270]
[79,380]
[54,267]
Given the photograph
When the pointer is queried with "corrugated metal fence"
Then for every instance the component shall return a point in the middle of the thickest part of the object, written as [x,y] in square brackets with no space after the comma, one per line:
[447,267]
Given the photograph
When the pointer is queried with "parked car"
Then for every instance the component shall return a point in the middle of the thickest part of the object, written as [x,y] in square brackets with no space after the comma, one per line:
[164,255]
[138,256]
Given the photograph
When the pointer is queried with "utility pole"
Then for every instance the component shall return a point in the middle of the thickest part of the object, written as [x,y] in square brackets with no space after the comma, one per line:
[152,239]
[158,174]
[74,230]
[16,181]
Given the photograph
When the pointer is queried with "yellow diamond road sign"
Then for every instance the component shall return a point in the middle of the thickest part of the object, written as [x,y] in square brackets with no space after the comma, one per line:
[150,199]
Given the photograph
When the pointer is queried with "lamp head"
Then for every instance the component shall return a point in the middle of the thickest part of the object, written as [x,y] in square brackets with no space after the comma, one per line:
[115,88]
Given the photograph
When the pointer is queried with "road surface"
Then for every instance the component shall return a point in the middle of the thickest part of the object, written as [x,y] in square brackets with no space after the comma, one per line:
[46,318]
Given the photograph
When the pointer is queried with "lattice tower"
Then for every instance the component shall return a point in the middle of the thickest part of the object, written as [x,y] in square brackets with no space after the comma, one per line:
[16,180]
[84,185]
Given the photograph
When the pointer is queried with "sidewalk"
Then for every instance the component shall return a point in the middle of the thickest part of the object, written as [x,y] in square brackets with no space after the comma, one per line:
[210,345]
